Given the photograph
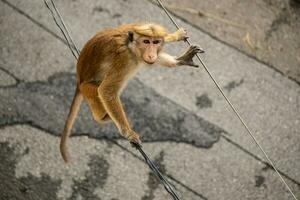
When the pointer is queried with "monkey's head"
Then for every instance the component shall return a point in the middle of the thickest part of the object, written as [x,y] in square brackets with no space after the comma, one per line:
[146,41]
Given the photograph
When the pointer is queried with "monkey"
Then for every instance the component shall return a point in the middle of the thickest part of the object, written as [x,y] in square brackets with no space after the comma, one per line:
[105,64]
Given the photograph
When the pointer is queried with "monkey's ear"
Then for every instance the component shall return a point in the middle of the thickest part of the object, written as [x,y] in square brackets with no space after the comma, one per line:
[130,36]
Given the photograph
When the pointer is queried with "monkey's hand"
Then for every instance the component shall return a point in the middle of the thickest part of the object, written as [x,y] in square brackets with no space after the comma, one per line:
[187,57]
[133,137]
[181,34]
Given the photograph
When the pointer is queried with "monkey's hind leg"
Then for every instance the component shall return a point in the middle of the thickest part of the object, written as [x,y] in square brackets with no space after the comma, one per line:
[69,123]
[89,91]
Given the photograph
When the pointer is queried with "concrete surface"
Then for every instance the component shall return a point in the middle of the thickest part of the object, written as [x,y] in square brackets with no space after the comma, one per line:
[188,130]
[267,30]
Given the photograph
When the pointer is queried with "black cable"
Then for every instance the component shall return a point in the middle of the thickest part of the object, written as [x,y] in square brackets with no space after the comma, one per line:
[232,107]
[158,174]
[61,25]
[65,32]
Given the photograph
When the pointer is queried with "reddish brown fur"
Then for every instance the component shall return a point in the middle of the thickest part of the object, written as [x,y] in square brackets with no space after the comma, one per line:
[106,62]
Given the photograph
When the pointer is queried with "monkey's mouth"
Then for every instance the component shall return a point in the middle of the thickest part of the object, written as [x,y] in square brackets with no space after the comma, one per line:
[150,63]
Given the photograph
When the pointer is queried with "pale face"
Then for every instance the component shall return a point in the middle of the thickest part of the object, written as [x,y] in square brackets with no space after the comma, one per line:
[149,47]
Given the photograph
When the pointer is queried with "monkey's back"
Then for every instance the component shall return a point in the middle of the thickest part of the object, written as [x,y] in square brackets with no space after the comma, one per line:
[106,50]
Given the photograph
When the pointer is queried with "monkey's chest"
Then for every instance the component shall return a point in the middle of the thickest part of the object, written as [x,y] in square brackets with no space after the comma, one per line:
[131,70]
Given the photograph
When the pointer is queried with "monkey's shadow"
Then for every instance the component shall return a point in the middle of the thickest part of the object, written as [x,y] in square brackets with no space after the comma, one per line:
[155,118]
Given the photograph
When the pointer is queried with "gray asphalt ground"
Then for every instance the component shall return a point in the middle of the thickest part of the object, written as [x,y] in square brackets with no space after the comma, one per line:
[186,126]
[266,30]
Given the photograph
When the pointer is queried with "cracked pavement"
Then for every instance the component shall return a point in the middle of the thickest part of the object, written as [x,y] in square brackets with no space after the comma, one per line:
[189,131]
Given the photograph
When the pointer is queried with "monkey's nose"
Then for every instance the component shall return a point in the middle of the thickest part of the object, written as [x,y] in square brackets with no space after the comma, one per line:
[152,58]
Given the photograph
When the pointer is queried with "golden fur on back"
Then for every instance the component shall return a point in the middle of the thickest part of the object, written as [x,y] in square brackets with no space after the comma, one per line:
[105,64]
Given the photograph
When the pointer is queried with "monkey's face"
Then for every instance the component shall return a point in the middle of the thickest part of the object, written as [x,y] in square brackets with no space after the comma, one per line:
[147,48]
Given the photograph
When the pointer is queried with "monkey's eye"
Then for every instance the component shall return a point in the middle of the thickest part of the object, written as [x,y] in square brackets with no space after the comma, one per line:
[146,41]
[156,41]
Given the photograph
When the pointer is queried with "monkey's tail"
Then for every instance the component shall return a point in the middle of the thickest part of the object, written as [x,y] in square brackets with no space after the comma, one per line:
[69,123]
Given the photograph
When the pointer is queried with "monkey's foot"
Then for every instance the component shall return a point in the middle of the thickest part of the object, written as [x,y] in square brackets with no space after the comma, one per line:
[134,138]
[187,57]
[182,34]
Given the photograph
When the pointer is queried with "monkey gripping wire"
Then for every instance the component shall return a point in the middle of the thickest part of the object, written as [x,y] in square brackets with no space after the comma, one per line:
[230,104]
[62,26]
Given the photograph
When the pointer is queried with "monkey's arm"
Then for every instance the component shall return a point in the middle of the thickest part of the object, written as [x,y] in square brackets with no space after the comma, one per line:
[108,92]
[178,35]
[185,59]
[167,60]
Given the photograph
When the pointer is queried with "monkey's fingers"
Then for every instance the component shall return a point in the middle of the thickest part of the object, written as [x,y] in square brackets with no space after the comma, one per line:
[136,142]
[194,49]
[200,50]
[191,64]
[135,145]
[185,38]
[134,138]
[182,34]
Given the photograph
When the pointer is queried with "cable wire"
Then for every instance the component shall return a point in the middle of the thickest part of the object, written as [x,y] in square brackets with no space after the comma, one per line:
[72,46]
[231,105]
[158,174]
